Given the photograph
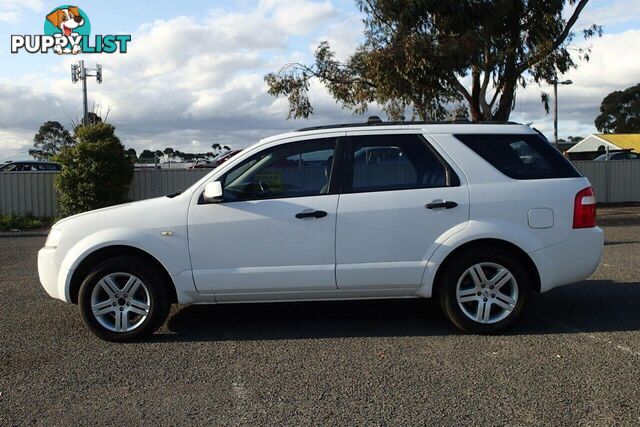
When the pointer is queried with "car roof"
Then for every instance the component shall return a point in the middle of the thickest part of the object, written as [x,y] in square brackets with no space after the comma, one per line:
[451,127]
[42,162]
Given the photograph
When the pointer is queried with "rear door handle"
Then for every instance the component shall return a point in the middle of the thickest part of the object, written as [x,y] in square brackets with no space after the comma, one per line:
[438,204]
[311,214]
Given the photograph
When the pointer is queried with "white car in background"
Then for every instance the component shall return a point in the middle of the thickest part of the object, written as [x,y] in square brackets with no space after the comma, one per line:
[479,216]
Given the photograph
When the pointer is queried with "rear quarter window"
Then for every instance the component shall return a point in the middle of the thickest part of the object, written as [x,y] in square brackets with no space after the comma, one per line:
[520,156]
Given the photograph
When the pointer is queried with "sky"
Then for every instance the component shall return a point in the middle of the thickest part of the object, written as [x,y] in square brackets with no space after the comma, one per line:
[193,73]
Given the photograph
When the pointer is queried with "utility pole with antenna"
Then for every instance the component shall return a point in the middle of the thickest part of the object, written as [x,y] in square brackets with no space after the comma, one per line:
[80,72]
[555,84]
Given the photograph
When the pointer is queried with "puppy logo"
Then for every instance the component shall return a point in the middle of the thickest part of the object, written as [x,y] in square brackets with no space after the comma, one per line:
[67,30]
[69,22]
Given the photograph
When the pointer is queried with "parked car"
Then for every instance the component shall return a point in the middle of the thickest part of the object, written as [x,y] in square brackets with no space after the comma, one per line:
[202,164]
[30,166]
[625,155]
[224,157]
[478,216]
[379,155]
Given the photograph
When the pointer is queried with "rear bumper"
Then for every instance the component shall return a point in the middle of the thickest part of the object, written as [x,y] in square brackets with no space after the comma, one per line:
[570,261]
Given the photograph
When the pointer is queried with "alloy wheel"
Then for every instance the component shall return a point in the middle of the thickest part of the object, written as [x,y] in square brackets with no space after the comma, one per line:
[487,292]
[120,302]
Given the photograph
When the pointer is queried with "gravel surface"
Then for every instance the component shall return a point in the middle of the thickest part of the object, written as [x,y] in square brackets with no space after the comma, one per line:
[574,359]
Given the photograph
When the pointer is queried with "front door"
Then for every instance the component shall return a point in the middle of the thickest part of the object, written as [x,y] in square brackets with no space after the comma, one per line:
[398,197]
[274,230]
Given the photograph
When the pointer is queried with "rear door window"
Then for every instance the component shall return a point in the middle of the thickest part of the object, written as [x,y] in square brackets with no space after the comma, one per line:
[394,162]
[521,156]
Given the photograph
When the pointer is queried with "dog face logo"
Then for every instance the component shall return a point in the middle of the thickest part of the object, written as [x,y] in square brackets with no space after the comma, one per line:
[66,19]
[70,22]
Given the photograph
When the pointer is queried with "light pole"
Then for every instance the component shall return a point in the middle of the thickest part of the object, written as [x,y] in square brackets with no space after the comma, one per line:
[555,84]
[79,72]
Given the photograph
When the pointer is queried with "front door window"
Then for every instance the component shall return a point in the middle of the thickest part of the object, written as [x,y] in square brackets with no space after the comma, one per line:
[296,169]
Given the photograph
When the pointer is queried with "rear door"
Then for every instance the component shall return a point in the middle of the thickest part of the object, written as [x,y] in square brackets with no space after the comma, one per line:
[399,195]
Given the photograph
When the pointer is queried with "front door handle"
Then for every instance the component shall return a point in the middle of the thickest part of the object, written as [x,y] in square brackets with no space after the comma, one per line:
[438,204]
[311,214]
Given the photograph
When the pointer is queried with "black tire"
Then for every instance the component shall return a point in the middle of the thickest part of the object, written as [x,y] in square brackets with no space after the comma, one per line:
[448,282]
[159,302]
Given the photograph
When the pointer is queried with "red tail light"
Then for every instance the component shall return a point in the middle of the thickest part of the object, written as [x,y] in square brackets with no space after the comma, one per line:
[584,209]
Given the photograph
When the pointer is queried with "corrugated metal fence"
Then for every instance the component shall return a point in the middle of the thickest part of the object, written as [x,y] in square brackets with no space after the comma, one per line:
[23,193]
[614,181]
[33,193]
[155,183]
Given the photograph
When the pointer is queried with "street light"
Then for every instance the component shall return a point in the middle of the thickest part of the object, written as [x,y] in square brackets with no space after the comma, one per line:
[555,84]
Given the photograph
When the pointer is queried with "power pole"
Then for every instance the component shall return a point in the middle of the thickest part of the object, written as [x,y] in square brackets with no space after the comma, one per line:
[555,84]
[555,112]
[80,72]
[85,104]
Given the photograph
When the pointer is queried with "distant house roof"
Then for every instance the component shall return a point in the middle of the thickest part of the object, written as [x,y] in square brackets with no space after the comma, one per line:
[626,141]
[615,141]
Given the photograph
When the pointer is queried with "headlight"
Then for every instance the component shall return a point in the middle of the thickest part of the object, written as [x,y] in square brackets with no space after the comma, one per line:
[53,238]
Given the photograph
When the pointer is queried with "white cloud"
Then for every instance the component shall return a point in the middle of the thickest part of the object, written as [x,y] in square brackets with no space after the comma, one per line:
[183,81]
[188,80]
[13,10]
[343,36]
[301,17]
[14,142]
[615,12]
[610,68]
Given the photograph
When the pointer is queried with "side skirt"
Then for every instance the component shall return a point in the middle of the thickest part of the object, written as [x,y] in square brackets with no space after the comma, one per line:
[332,295]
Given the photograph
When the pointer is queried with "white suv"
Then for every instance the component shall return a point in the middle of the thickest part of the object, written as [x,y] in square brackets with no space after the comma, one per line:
[479,216]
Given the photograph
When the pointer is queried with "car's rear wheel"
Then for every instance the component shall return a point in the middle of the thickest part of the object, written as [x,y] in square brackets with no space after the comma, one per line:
[123,298]
[484,290]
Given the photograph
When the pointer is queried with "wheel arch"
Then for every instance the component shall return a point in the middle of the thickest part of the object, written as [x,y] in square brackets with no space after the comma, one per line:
[494,242]
[104,253]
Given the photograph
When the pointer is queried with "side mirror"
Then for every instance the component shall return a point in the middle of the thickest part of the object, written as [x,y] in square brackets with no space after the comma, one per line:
[213,192]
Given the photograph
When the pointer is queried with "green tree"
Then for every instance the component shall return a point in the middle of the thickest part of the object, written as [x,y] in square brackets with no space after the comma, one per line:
[146,155]
[416,54]
[96,171]
[49,140]
[131,153]
[92,118]
[571,139]
[620,112]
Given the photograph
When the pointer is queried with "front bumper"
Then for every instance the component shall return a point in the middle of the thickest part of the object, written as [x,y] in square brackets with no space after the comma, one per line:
[48,273]
[571,260]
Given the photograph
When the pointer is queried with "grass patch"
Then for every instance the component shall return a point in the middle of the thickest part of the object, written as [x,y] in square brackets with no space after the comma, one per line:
[14,222]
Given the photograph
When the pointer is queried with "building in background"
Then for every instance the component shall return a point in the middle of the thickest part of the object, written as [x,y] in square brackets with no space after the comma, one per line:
[597,144]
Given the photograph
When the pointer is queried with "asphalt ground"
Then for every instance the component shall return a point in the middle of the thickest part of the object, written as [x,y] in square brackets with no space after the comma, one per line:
[574,359]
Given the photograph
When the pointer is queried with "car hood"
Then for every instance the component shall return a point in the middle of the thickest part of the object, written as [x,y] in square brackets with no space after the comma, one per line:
[92,212]
[129,212]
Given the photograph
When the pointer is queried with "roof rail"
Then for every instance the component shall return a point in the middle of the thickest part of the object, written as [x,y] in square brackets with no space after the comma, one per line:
[376,121]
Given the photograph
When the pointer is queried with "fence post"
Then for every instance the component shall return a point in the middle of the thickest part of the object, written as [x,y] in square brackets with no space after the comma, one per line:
[607,178]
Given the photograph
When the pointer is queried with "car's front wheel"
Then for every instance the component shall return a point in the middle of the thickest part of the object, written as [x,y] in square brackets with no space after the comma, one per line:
[123,298]
[485,290]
